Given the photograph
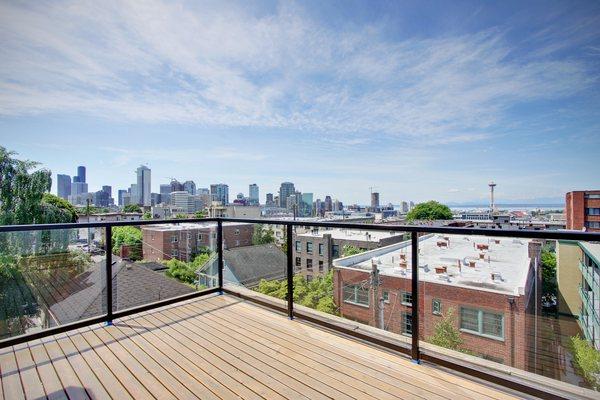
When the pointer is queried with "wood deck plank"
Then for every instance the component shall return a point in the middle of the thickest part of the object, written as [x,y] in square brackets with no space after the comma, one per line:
[48,376]
[327,375]
[328,343]
[209,358]
[28,372]
[219,347]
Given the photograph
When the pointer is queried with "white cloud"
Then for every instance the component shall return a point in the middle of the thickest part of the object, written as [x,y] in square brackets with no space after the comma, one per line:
[159,61]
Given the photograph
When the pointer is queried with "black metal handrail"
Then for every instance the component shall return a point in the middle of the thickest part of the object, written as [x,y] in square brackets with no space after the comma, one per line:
[413,229]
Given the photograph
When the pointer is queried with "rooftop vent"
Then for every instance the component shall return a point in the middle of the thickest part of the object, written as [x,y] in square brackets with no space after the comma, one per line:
[442,269]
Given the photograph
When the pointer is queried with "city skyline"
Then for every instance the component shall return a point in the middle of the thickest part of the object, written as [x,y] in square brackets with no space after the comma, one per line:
[286,91]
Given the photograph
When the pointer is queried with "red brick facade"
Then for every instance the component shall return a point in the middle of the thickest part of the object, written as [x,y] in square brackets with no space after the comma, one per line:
[185,243]
[511,350]
[576,204]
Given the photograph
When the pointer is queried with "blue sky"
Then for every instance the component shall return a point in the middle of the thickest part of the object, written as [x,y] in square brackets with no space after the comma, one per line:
[422,100]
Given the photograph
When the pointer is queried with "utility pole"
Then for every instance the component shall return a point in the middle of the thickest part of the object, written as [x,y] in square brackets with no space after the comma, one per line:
[377,299]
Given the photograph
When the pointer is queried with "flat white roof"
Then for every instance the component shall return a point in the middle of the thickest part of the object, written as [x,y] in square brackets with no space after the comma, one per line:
[352,234]
[188,225]
[509,260]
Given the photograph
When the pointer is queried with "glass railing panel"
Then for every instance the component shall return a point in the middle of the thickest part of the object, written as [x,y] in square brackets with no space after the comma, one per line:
[348,273]
[521,303]
[255,263]
[50,278]
[162,261]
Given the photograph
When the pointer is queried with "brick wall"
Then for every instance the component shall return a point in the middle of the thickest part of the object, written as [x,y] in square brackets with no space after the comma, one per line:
[512,350]
[575,205]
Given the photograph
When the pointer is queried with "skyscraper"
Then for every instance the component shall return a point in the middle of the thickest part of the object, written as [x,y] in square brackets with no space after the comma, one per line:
[374,201]
[286,190]
[63,186]
[176,186]
[165,193]
[306,205]
[220,192]
[107,189]
[120,195]
[253,194]
[143,186]
[81,174]
[190,187]
[270,201]
[328,203]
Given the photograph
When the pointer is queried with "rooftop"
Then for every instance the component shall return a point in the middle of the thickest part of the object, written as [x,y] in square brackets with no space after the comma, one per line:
[351,234]
[188,226]
[508,260]
[219,347]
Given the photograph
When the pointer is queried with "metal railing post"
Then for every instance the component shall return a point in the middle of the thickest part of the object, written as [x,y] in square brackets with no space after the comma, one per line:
[109,282]
[290,272]
[414,241]
[220,254]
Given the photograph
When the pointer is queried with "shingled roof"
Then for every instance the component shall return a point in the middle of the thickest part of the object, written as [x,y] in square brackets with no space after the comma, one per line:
[250,264]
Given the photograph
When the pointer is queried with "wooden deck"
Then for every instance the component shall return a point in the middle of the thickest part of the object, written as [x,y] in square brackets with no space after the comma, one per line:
[219,347]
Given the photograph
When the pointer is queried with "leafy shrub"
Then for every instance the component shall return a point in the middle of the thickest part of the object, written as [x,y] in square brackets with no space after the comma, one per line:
[587,360]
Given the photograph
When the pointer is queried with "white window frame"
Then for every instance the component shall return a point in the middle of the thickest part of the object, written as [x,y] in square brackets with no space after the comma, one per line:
[479,331]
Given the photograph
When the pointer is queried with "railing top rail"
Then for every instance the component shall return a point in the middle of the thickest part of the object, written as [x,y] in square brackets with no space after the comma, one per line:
[490,232]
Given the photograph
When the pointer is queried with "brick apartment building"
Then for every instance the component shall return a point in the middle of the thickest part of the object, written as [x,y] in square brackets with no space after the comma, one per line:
[583,210]
[488,284]
[314,251]
[184,241]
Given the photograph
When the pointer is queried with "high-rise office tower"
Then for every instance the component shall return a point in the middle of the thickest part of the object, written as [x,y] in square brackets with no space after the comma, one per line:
[63,186]
[253,195]
[374,200]
[107,189]
[176,186]
[328,203]
[120,195]
[306,205]
[220,192]
[143,186]
[286,190]
[165,193]
[270,200]
[81,174]
[190,187]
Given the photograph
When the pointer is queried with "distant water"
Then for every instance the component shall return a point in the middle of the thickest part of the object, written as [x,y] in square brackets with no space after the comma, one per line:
[505,207]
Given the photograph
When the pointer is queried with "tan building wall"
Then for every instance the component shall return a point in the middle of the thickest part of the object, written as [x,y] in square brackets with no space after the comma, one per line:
[568,277]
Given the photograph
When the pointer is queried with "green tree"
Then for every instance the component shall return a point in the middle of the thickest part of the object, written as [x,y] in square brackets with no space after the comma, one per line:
[446,334]
[127,236]
[147,215]
[200,214]
[548,261]
[317,294]
[431,210]
[186,271]
[24,197]
[132,208]
[262,235]
[587,360]
[180,216]
[349,250]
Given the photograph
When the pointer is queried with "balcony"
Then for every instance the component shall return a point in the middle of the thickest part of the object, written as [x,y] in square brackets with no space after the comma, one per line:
[71,330]
[219,347]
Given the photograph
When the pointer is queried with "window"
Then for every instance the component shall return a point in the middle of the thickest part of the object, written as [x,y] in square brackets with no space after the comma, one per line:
[237,232]
[298,246]
[298,262]
[386,296]
[406,298]
[592,211]
[406,323]
[436,306]
[199,236]
[309,247]
[482,322]
[356,294]
[174,239]
[321,248]
[214,235]
[335,250]
[320,266]
[309,264]
[592,224]
[174,253]
[592,196]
